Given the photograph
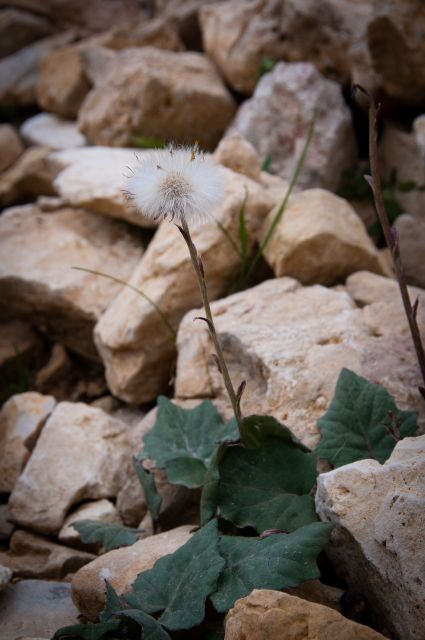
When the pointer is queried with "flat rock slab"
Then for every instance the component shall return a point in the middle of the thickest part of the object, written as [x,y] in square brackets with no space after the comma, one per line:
[52,131]
[36,608]
[290,343]
[377,543]
[37,281]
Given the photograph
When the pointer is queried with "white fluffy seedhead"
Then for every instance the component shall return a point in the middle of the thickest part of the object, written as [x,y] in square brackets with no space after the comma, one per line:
[176,184]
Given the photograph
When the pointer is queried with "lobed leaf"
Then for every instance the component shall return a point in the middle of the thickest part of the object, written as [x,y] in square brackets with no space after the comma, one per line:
[110,535]
[152,497]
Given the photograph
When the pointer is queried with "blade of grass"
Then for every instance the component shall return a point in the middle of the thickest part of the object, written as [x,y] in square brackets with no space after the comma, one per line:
[227,235]
[159,311]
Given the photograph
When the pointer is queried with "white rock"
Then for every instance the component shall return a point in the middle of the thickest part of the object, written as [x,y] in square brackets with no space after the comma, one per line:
[52,131]
[21,421]
[290,343]
[379,513]
[82,454]
[276,120]
[99,510]
[38,251]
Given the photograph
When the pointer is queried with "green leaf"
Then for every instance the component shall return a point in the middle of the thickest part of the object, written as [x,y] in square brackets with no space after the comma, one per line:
[275,562]
[257,428]
[86,631]
[362,422]
[209,495]
[112,604]
[152,630]
[179,583]
[267,487]
[110,535]
[152,497]
[184,440]
[146,142]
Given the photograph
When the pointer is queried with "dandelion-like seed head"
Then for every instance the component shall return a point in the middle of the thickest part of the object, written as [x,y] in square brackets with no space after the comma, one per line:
[181,185]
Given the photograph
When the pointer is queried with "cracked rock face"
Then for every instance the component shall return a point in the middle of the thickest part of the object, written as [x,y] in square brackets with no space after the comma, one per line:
[377,543]
[290,343]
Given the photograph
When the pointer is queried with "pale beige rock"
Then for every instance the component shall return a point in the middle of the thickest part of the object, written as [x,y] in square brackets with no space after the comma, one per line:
[276,120]
[21,421]
[134,344]
[82,454]
[160,32]
[30,176]
[411,233]
[376,544]
[99,510]
[160,94]
[58,365]
[318,592]
[46,129]
[266,614]
[320,240]
[279,335]
[10,146]
[367,288]
[38,251]
[20,28]
[95,178]
[5,577]
[33,556]
[120,568]
[236,153]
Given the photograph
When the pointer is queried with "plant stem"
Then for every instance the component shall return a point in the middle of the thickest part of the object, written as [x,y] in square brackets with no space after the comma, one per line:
[391,238]
[197,265]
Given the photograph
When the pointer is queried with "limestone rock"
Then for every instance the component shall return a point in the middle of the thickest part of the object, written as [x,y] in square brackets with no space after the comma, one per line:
[320,240]
[367,288]
[36,608]
[156,93]
[134,344]
[6,527]
[10,146]
[160,32]
[51,131]
[121,567]
[20,28]
[5,576]
[276,120]
[239,155]
[411,232]
[32,556]
[21,420]
[376,543]
[82,454]
[30,176]
[278,335]
[95,178]
[99,510]
[17,337]
[268,614]
[38,251]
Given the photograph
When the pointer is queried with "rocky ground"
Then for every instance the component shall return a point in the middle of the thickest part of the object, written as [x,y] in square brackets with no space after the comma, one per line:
[84,89]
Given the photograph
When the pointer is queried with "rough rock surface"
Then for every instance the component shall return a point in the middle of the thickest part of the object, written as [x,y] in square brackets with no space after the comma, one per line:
[320,240]
[5,576]
[19,29]
[236,153]
[134,344]
[267,614]
[38,251]
[276,120]
[411,232]
[6,527]
[32,556]
[99,510]
[156,93]
[121,567]
[279,335]
[30,176]
[94,178]
[21,420]
[17,337]
[51,131]
[10,146]
[82,454]
[36,608]
[377,545]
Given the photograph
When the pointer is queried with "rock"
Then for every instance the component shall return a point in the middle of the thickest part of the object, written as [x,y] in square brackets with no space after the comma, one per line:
[36,275]
[160,94]
[20,28]
[10,146]
[320,240]
[397,48]
[238,154]
[36,608]
[278,335]
[82,454]
[95,178]
[51,131]
[18,343]
[5,577]
[276,120]
[21,421]
[18,72]
[375,544]
[120,568]
[6,527]
[99,510]
[272,614]
[411,232]
[318,592]
[58,366]
[30,176]
[160,33]
[32,556]
[367,288]
[134,345]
